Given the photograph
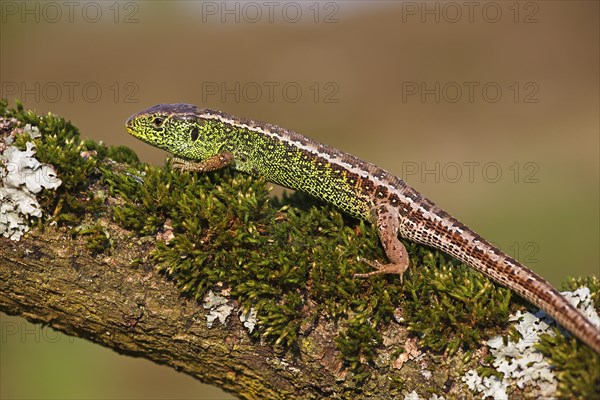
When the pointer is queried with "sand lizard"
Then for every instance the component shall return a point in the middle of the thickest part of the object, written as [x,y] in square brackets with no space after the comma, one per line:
[206,140]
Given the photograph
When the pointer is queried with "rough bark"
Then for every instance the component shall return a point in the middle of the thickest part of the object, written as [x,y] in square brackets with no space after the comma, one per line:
[50,278]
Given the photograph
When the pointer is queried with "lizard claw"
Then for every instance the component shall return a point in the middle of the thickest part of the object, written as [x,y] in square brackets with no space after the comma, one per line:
[380,268]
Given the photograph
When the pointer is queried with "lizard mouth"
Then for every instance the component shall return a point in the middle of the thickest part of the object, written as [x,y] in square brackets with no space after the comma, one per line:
[130,129]
[129,125]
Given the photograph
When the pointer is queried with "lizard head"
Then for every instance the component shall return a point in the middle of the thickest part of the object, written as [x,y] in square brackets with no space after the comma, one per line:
[176,128]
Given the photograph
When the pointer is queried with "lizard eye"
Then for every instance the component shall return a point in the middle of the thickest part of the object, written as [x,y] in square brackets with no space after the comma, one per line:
[158,121]
[194,134]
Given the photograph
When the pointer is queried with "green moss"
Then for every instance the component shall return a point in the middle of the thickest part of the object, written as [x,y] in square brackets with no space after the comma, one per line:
[225,229]
[359,343]
[452,306]
[74,160]
[97,240]
[577,367]
[122,154]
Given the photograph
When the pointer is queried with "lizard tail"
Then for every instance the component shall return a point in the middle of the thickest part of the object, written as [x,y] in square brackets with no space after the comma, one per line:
[464,244]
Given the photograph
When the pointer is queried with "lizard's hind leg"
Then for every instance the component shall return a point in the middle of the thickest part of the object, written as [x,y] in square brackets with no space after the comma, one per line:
[388,223]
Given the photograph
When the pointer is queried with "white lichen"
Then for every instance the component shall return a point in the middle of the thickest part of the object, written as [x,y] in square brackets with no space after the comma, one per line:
[412,396]
[219,309]
[582,299]
[489,386]
[249,319]
[33,131]
[21,177]
[519,362]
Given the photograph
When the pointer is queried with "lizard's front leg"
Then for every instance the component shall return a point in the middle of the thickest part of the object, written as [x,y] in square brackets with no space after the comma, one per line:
[388,223]
[213,163]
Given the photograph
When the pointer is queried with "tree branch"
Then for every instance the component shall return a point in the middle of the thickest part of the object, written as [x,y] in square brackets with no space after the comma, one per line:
[50,278]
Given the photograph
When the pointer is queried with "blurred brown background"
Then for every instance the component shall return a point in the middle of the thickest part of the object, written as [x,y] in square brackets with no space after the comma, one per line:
[489,109]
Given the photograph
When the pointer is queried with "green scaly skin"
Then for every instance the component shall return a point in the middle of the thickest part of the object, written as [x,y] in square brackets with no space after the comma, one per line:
[209,140]
[253,153]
